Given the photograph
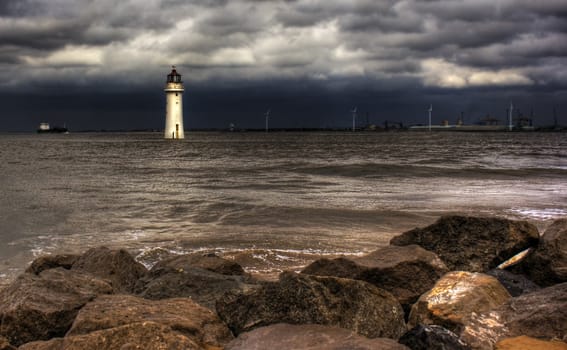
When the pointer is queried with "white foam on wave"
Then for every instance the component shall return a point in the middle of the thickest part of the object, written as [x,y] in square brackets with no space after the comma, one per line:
[540,214]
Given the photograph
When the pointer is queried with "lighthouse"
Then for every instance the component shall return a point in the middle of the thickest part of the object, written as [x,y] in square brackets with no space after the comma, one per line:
[174,106]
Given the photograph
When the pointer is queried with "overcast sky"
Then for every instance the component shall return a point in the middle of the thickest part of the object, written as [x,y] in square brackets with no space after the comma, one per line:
[102,64]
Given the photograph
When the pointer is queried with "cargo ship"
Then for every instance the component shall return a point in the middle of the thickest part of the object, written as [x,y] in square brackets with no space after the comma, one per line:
[45,128]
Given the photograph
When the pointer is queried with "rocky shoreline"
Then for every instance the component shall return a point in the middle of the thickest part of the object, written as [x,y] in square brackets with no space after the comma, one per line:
[438,287]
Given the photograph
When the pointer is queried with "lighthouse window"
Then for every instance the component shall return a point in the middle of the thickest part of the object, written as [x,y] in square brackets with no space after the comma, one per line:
[176,94]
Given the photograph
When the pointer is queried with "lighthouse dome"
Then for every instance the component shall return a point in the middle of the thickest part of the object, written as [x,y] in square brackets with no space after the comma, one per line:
[174,77]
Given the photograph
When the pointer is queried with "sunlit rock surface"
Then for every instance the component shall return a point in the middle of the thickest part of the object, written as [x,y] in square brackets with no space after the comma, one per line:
[528,343]
[455,298]
[473,244]
[306,299]
[308,337]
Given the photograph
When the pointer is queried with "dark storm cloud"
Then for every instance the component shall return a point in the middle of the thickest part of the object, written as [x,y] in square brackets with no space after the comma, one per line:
[433,48]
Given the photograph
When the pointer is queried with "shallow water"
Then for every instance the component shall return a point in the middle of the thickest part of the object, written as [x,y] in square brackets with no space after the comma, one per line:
[270,201]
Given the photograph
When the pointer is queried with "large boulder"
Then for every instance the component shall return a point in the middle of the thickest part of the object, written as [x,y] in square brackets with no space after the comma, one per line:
[117,266]
[432,337]
[38,307]
[47,262]
[547,265]
[539,314]
[205,280]
[473,244]
[406,271]
[306,299]
[455,298]
[144,335]
[527,343]
[183,315]
[308,337]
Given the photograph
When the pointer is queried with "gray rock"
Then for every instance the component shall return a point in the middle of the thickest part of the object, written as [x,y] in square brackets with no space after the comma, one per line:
[117,266]
[432,337]
[187,277]
[39,307]
[472,244]
[515,284]
[547,265]
[407,271]
[306,299]
[308,337]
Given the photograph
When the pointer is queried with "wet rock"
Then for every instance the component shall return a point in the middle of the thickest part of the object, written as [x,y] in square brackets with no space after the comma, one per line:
[340,267]
[472,244]
[547,265]
[179,278]
[46,262]
[527,343]
[407,271]
[455,298]
[117,266]
[145,335]
[211,262]
[308,337]
[432,337]
[38,307]
[515,284]
[306,299]
[539,314]
[183,315]
[5,345]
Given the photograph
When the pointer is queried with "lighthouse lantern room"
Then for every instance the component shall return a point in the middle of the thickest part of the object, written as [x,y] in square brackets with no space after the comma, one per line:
[174,106]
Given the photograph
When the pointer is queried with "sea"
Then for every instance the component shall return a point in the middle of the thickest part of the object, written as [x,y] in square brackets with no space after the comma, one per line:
[270,201]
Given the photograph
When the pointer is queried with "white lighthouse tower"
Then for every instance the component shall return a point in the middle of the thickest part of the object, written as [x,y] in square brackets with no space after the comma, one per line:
[174,106]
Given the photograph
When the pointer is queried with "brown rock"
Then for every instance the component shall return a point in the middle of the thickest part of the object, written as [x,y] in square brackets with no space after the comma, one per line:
[5,345]
[527,343]
[211,262]
[38,307]
[307,299]
[547,265]
[46,262]
[539,314]
[139,336]
[179,278]
[455,298]
[472,243]
[407,271]
[340,267]
[183,315]
[117,266]
[308,337]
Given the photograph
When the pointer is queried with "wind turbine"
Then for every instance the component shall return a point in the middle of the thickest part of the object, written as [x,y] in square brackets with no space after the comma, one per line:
[354,119]
[430,110]
[267,115]
[510,116]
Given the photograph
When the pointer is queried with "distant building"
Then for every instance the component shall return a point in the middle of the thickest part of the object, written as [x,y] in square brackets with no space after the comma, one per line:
[174,106]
